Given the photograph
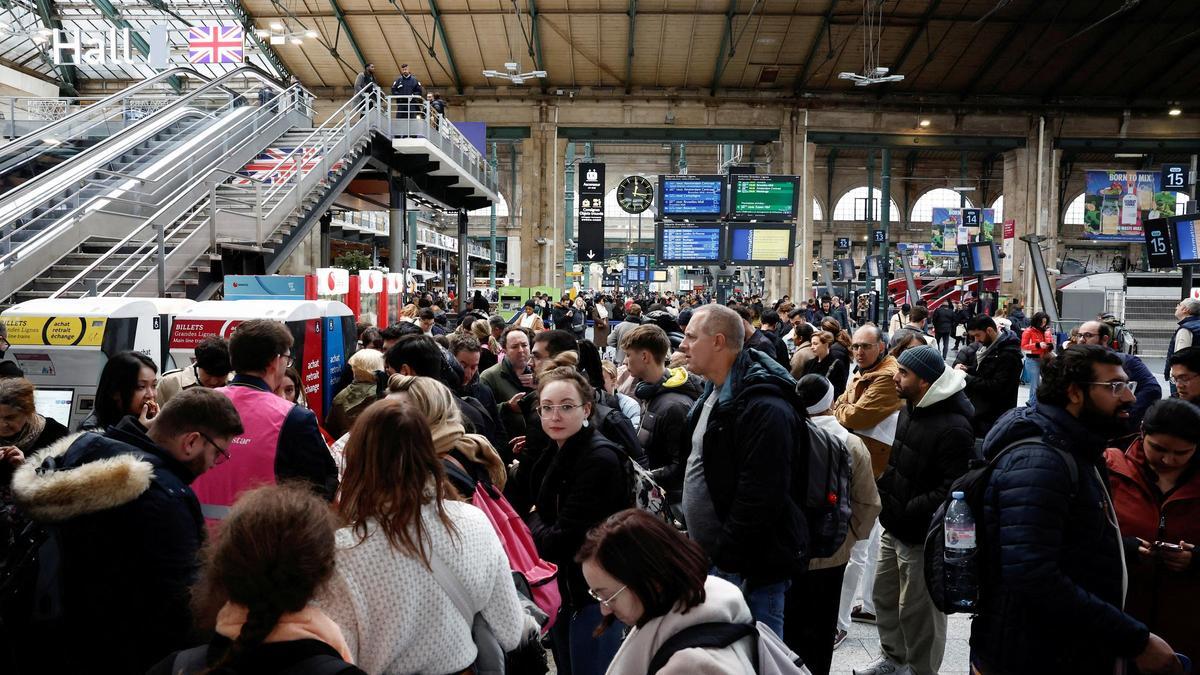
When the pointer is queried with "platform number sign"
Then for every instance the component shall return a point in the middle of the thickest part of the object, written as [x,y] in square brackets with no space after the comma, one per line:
[1174,177]
[878,236]
[1158,243]
[842,243]
[972,217]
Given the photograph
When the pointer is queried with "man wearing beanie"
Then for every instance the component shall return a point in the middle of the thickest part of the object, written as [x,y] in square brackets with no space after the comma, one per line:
[934,442]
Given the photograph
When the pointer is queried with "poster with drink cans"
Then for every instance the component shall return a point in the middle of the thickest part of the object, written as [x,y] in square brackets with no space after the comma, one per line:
[1116,203]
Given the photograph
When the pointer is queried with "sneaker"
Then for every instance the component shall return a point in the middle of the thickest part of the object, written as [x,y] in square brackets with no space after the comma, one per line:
[884,666]
[838,638]
[858,615]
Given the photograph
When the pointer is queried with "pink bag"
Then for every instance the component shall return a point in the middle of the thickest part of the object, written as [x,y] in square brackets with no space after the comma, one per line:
[541,575]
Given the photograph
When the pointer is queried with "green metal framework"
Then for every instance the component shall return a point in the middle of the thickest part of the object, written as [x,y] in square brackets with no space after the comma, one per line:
[265,49]
[440,29]
[669,134]
[68,74]
[629,57]
[726,39]
[917,141]
[535,37]
[341,17]
[802,78]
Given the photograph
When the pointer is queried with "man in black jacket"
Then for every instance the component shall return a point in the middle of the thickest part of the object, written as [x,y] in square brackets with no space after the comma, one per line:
[932,448]
[666,396]
[744,435]
[130,531]
[407,85]
[993,381]
[756,338]
[943,325]
[1051,597]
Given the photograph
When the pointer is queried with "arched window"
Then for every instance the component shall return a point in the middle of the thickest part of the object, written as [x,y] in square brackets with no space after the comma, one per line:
[998,207]
[1074,212]
[1181,200]
[938,197]
[501,209]
[818,214]
[853,206]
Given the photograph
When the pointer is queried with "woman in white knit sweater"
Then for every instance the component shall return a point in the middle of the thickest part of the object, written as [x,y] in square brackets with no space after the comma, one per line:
[395,615]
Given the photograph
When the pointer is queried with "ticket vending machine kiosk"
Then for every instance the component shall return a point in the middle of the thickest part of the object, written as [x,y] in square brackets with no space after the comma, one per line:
[340,340]
[305,319]
[62,344]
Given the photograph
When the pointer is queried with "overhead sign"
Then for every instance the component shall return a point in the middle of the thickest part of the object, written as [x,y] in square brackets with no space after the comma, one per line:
[61,331]
[691,197]
[1158,243]
[332,281]
[263,287]
[370,281]
[761,244]
[1175,177]
[591,213]
[216,44]
[842,242]
[689,243]
[92,48]
[878,236]
[763,197]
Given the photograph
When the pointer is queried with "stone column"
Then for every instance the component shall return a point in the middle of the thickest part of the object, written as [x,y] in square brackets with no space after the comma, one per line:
[1032,217]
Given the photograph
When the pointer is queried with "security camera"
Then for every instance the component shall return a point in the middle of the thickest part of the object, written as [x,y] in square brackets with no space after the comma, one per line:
[542,241]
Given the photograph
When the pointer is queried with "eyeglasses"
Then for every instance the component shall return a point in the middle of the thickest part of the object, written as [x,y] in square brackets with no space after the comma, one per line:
[857,347]
[1116,387]
[289,359]
[1087,336]
[222,453]
[1181,379]
[547,410]
[602,601]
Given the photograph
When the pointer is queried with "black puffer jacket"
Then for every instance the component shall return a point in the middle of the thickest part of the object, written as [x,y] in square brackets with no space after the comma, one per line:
[992,383]
[753,434]
[577,487]
[943,320]
[933,446]
[664,418]
[1051,601]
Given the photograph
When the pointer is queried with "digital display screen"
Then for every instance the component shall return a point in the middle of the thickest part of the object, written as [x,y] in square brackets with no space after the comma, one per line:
[54,403]
[763,197]
[1187,241]
[659,275]
[636,261]
[1159,248]
[844,268]
[691,196]
[695,243]
[761,245]
[983,258]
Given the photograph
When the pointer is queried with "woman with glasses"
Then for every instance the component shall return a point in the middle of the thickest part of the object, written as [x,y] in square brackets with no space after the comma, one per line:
[407,548]
[1156,492]
[127,387]
[577,483]
[645,574]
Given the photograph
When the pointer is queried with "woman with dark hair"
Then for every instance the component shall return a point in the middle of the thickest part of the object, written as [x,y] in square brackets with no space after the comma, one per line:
[405,537]
[576,483]
[1037,342]
[826,364]
[647,575]
[291,389]
[127,387]
[276,548]
[1156,492]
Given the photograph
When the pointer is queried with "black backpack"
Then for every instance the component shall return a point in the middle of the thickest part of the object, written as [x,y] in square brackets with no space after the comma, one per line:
[973,484]
[825,497]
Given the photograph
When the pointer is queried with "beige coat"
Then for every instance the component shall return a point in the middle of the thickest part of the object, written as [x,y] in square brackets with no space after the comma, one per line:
[869,403]
[723,602]
[864,496]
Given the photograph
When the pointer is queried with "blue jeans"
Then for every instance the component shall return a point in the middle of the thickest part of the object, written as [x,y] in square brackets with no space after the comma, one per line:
[766,602]
[1032,375]
[576,652]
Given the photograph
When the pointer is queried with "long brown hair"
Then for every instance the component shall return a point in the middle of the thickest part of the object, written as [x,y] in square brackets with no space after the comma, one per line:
[274,551]
[834,328]
[392,470]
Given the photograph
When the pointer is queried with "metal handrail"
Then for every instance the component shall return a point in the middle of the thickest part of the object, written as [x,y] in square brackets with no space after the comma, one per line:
[297,101]
[418,110]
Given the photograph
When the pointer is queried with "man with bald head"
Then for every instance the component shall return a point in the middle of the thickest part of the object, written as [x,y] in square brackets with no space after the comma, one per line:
[1148,389]
[744,436]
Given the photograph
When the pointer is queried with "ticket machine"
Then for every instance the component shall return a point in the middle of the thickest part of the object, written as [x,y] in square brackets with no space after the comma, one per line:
[62,344]
[305,319]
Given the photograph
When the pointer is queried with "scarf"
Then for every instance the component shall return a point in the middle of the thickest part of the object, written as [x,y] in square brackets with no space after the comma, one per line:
[453,436]
[28,434]
[309,623]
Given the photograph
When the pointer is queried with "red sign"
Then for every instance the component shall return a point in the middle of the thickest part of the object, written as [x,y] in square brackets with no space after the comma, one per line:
[1010,229]
[308,361]
[187,333]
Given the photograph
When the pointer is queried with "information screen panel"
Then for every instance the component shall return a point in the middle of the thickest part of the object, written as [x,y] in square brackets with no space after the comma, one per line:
[982,258]
[691,197]
[1187,241]
[1159,243]
[54,403]
[688,243]
[771,198]
[761,244]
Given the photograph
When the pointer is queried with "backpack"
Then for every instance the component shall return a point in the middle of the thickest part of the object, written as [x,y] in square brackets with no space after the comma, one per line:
[973,484]
[31,592]
[769,654]
[646,494]
[825,496]
[540,575]
[195,660]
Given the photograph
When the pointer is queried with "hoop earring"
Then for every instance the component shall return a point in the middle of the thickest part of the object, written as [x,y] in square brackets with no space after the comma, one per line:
[585,424]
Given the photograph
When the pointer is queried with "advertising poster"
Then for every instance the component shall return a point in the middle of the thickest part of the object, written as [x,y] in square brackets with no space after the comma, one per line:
[948,230]
[920,256]
[1116,203]
[1009,246]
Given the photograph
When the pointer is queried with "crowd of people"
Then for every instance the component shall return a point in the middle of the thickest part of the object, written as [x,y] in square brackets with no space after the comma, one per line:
[600,481]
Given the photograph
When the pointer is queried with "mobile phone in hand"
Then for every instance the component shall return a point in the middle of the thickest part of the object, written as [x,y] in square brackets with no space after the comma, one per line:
[1167,546]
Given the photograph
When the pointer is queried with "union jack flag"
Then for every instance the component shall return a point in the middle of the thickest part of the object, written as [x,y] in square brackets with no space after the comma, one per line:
[216,44]
[278,165]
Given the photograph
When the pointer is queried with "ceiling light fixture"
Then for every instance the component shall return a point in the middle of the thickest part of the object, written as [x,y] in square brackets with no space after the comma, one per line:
[1175,111]
[512,73]
[925,123]
[310,34]
[872,72]
[275,25]
[297,41]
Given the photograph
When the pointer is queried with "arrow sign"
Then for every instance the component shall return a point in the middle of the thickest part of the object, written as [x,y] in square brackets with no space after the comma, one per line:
[591,212]
[591,255]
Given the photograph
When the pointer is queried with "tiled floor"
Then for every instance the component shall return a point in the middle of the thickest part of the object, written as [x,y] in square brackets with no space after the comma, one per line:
[862,647]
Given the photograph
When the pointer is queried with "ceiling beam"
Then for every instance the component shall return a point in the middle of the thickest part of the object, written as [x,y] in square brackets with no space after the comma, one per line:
[1004,43]
[139,43]
[268,52]
[69,74]
[341,17]
[1088,53]
[726,40]
[1172,60]
[535,36]
[921,141]
[26,70]
[802,79]
[915,35]
[629,56]
[441,31]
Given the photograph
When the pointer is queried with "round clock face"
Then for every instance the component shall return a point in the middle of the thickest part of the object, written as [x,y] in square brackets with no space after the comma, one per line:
[635,194]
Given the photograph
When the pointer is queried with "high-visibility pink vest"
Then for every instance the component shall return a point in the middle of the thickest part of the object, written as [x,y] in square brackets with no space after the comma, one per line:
[251,460]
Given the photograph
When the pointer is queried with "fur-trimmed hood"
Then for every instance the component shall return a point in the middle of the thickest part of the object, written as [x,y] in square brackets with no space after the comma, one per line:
[82,474]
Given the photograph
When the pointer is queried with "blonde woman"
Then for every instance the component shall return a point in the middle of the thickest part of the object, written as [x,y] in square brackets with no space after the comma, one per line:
[470,452]
[362,392]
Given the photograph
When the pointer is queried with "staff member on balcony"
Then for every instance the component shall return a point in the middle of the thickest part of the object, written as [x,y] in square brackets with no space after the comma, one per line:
[407,85]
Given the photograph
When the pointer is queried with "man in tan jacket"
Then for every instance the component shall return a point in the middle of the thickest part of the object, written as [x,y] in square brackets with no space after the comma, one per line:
[870,406]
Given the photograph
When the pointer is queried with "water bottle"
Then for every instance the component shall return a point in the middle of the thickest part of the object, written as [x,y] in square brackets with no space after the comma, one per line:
[962,582]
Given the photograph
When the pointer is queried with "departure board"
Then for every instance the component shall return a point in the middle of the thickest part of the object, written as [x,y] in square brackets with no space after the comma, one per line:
[690,243]
[761,245]
[763,197]
[691,197]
